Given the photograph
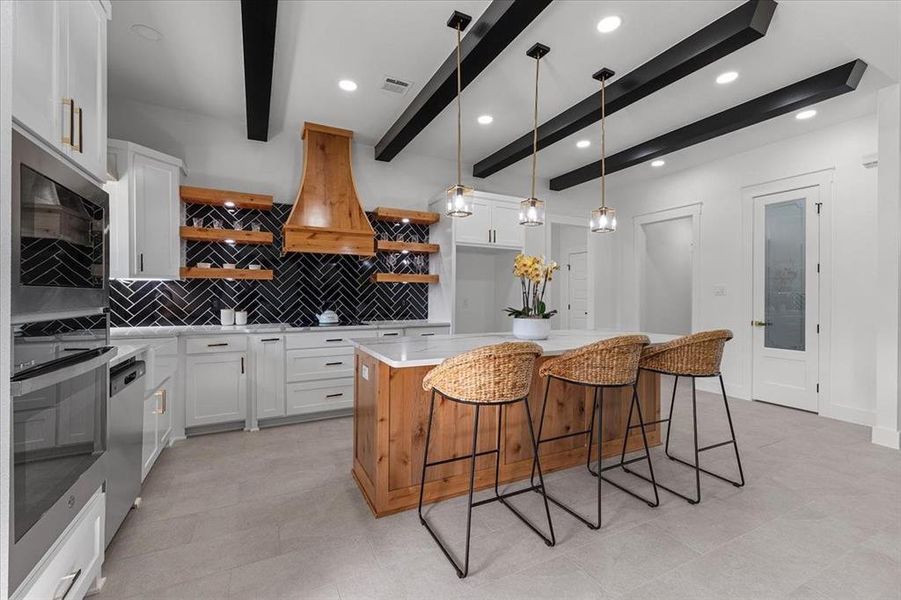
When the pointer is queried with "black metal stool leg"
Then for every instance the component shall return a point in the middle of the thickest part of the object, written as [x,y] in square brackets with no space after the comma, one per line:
[594,409]
[741,473]
[669,420]
[647,455]
[547,387]
[537,462]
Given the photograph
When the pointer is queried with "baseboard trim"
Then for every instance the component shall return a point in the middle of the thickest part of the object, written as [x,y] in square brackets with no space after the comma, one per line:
[848,414]
[294,419]
[890,438]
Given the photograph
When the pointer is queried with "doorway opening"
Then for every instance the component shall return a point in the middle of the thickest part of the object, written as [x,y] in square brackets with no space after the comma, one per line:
[569,248]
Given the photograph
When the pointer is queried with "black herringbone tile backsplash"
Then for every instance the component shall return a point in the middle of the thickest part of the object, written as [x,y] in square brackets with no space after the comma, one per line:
[304,284]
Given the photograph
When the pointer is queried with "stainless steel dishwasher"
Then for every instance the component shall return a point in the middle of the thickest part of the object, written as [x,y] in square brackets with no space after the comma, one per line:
[123,455]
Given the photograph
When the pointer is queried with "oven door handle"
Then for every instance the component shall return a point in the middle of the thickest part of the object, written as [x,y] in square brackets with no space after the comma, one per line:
[62,370]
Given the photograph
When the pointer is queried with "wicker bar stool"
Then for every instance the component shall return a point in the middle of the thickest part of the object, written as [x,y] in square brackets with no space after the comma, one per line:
[696,355]
[611,363]
[490,376]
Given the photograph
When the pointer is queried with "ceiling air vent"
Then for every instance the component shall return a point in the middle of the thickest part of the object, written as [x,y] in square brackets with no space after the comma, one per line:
[395,85]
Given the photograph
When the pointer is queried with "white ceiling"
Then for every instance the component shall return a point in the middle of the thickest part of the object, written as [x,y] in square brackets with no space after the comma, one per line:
[198,66]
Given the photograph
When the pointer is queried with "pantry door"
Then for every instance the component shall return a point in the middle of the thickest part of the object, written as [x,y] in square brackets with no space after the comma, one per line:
[786,298]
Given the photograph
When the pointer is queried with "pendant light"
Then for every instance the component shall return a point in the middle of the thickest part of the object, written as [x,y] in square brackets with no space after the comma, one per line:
[603,219]
[459,196]
[531,210]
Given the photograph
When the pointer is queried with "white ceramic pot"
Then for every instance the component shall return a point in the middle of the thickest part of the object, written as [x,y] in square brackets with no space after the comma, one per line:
[531,329]
[227,316]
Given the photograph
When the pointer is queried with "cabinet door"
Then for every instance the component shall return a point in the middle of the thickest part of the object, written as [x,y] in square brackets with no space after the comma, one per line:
[269,376]
[154,207]
[164,414]
[149,443]
[36,97]
[505,222]
[216,389]
[86,82]
[75,414]
[476,228]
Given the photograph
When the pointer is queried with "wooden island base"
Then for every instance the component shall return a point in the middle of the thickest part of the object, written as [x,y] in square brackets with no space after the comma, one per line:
[391,413]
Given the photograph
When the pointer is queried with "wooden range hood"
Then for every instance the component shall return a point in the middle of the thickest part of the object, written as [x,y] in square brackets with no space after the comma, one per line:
[327,217]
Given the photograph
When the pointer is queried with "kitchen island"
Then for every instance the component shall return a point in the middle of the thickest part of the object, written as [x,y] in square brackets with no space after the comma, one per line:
[391,412]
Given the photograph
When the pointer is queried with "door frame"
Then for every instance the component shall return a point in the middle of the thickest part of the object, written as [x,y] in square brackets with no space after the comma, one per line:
[825,180]
[550,221]
[639,240]
[565,297]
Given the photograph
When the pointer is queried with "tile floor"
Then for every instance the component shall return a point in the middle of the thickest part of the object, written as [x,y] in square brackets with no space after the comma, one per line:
[275,514]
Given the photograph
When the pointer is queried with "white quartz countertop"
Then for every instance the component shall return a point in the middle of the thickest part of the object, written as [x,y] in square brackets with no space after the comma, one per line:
[174,331]
[127,351]
[418,352]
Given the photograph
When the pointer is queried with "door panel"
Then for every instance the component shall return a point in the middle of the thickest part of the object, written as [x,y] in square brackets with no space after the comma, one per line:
[215,389]
[269,377]
[476,228]
[505,222]
[786,298]
[578,290]
[36,96]
[156,222]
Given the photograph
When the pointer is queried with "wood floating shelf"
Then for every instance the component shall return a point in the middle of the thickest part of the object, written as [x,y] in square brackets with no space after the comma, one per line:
[226,198]
[198,273]
[404,278]
[414,247]
[203,234]
[398,215]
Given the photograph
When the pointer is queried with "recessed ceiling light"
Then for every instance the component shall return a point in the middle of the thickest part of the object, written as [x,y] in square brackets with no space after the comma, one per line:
[583,143]
[727,77]
[347,85]
[485,119]
[229,204]
[147,32]
[658,163]
[608,24]
[806,114]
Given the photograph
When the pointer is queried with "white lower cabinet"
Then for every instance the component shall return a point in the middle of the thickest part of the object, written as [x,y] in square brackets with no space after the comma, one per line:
[269,375]
[320,396]
[69,569]
[157,425]
[215,388]
[320,363]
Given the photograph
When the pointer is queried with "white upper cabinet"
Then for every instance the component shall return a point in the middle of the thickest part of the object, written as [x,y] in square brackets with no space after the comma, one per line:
[85,57]
[476,228]
[59,77]
[494,222]
[505,222]
[145,210]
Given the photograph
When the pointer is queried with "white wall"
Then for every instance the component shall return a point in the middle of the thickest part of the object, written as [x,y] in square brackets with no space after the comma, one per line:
[719,249]
[218,154]
[666,277]
[485,285]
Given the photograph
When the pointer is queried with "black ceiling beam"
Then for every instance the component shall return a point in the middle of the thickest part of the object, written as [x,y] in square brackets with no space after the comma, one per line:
[740,27]
[499,25]
[828,84]
[258,29]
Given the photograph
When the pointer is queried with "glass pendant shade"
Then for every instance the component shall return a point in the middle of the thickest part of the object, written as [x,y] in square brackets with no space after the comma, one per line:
[459,201]
[603,220]
[531,212]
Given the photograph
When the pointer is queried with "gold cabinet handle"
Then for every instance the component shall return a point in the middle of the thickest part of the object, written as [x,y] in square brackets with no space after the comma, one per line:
[162,403]
[761,323]
[67,139]
[80,146]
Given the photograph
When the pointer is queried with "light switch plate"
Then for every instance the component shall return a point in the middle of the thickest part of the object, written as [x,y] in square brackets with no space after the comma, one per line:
[719,290]
[364,372]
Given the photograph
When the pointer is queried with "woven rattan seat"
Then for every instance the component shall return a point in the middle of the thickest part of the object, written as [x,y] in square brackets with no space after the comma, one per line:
[698,354]
[486,375]
[610,362]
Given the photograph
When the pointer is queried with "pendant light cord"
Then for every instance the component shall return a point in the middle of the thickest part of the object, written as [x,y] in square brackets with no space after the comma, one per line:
[603,142]
[535,129]
[459,114]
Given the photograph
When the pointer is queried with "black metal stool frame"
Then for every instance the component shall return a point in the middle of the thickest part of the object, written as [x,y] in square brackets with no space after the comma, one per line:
[498,497]
[697,450]
[598,408]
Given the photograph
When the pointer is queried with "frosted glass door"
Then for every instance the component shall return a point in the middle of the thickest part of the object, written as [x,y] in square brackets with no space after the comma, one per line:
[786,287]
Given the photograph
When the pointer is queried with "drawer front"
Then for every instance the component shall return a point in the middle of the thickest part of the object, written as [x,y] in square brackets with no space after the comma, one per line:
[325,339]
[319,396]
[164,367]
[75,562]
[160,346]
[391,332]
[214,344]
[320,363]
[426,331]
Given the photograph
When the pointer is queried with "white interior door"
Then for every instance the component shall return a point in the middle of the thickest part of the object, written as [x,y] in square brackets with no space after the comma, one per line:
[786,298]
[577,289]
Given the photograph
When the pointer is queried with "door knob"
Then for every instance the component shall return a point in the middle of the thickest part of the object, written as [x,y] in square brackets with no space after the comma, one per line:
[760,323]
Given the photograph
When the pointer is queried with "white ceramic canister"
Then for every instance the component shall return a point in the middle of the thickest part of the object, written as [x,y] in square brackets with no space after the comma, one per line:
[227,316]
